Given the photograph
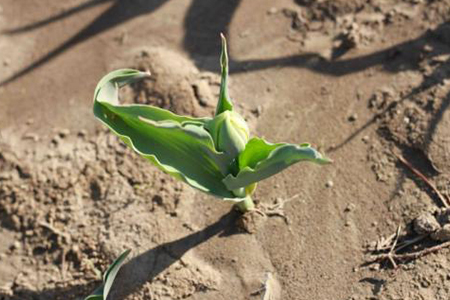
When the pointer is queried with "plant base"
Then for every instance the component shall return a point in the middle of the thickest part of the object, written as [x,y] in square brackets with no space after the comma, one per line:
[246,205]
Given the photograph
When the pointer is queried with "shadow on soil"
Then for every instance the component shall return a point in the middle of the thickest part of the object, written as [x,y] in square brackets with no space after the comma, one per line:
[203,22]
[377,284]
[415,156]
[140,269]
[119,12]
[205,19]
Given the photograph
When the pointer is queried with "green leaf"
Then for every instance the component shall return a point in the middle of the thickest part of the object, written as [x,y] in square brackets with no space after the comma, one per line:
[111,273]
[261,159]
[108,87]
[96,295]
[230,133]
[178,145]
[101,293]
[224,103]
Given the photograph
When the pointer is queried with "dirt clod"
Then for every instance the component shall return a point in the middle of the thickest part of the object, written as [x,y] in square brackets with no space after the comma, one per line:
[426,224]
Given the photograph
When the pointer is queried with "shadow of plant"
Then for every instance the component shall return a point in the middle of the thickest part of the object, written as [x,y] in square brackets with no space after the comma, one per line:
[140,269]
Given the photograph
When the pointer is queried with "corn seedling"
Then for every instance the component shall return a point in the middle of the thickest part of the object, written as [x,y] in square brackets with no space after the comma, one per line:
[214,155]
[101,293]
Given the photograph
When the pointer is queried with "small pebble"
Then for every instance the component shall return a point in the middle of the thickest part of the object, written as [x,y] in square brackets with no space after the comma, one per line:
[55,140]
[425,283]
[15,246]
[427,48]
[82,133]
[31,136]
[289,114]
[329,184]
[63,133]
[257,111]
[353,117]
[15,220]
[272,10]
[365,139]
[350,207]
[375,267]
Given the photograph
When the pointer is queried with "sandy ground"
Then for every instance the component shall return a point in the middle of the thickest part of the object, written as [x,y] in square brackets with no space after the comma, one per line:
[363,81]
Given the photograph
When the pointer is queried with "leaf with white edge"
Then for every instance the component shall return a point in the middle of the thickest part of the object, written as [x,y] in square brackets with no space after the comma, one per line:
[178,145]
[108,86]
[261,159]
[96,295]
[101,293]
[210,154]
[111,273]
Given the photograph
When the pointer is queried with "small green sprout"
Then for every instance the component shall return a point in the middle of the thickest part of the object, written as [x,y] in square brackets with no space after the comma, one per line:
[101,293]
[215,155]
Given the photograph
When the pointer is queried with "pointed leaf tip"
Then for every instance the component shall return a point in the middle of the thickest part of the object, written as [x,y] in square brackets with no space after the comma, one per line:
[224,53]
[224,103]
[101,293]
[112,271]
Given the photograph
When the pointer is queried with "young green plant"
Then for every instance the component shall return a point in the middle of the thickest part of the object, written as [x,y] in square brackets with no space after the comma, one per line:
[214,155]
[101,293]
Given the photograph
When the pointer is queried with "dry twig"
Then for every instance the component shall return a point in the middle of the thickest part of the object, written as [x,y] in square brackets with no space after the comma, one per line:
[424,178]
[391,243]
[392,250]
[384,243]
[54,230]
[413,255]
[407,243]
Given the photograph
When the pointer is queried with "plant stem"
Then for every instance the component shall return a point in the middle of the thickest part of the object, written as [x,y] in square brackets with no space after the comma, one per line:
[246,204]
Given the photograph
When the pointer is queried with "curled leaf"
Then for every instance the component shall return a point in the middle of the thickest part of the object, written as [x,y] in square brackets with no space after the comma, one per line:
[178,145]
[261,160]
